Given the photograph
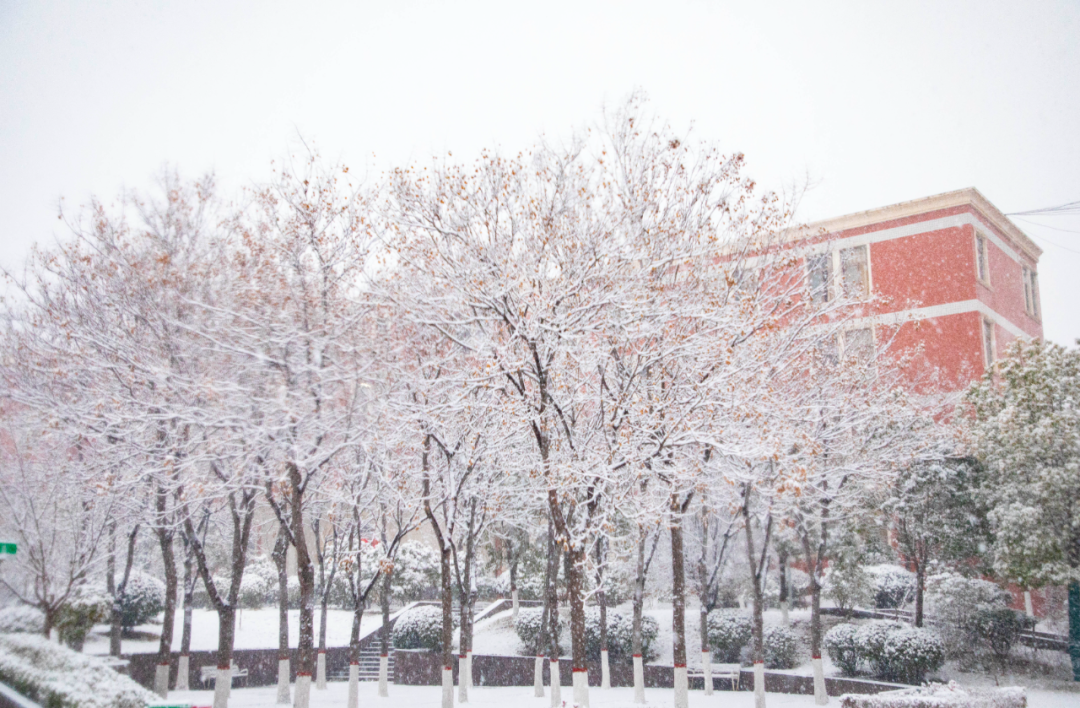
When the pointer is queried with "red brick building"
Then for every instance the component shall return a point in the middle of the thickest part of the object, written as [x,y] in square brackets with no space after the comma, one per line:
[953,265]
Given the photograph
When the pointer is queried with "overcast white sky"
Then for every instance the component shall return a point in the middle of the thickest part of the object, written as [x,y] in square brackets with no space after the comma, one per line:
[877,102]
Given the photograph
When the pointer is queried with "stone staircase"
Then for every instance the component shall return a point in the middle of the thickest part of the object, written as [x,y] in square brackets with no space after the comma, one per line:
[369,665]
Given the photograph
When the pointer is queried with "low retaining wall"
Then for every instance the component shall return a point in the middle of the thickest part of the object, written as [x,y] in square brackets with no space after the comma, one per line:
[424,668]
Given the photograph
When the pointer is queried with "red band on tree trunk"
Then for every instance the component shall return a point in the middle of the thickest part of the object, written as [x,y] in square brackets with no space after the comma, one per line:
[322,651]
[680,666]
[303,673]
[354,663]
[164,663]
[815,656]
[637,656]
[579,670]
[759,662]
[461,656]
[226,666]
[384,655]
[448,668]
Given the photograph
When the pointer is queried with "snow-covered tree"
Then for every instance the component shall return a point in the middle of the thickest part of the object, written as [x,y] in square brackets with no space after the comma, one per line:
[1025,430]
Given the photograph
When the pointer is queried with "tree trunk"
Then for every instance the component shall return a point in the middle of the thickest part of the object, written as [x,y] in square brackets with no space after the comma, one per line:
[226,638]
[758,647]
[920,590]
[305,572]
[168,559]
[551,603]
[384,637]
[703,611]
[1074,628]
[280,558]
[575,590]
[678,608]
[117,593]
[638,610]
[182,666]
[785,602]
[447,638]
[601,600]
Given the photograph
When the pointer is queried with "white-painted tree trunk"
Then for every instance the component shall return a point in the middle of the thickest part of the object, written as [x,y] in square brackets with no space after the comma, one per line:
[682,687]
[538,677]
[821,696]
[447,687]
[183,665]
[639,679]
[302,695]
[706,671]
[462,679]
[514,599]
[468,674]
[556,684]
[784,609]
[759,684]
[605,669]
[581,688]
[1029,609]
[161,680]
[222,682]
[384,676]
[320,672]
[354,687]
[283,696]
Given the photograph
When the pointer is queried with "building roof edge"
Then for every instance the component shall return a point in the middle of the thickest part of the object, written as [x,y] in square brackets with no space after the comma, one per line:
[961,197]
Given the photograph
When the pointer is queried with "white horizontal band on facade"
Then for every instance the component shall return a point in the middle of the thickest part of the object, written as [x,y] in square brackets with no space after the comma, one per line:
[919,227]
[949,308]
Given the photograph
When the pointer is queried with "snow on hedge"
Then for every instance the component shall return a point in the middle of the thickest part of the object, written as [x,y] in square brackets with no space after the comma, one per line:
[22,618]
[937,695]
[57,677]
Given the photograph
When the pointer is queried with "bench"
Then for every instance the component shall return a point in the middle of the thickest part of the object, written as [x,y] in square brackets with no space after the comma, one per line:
[731,672]
[209,673]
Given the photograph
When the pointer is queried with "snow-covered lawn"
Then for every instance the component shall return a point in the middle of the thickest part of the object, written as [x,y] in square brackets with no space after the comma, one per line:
[256,629]
[522,697]
[480,697]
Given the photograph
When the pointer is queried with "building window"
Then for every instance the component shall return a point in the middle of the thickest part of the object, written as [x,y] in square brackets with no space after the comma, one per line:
[818,275]
[859,344]
[988,342]
[855,267]
[1031,292]
[982,268]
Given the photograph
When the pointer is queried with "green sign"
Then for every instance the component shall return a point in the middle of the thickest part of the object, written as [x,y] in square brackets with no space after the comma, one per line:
[7,549]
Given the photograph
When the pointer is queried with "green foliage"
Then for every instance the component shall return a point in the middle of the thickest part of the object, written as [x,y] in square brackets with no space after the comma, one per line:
[620,635]
[843,648]
[87,607]
[1026,432]
[780,648]
[728,631]
[143,598]
[529,629]
[418,628]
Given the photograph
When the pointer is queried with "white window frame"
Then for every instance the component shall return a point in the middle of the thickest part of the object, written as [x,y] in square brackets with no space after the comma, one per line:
[982,255]
[826,293]
[838,268]
[989,347]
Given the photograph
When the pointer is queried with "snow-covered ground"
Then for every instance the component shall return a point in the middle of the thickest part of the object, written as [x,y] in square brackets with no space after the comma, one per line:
[522,697]
[256,629]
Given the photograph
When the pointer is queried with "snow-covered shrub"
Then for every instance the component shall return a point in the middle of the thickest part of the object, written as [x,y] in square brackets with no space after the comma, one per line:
[780,648]
[620,635]
[936,695]
[996,629]
[22,618]
[893,585]
[530,586]
[57,677]
[848,585]
[528,628]
[416,571]
[418,628]
[843,648]
[871,639]
[909,654]
[143,598]
[258,587]
[88,606]
[960,607]
[728,632]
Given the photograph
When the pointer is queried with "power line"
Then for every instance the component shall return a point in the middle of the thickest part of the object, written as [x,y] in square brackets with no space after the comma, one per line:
[1070,208]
